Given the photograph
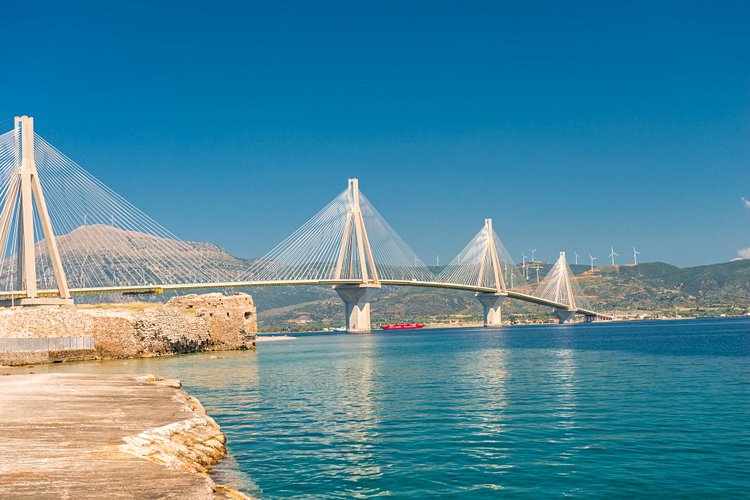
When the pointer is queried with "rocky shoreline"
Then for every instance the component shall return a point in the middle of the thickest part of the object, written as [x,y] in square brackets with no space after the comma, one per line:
[119,436]
[184,324]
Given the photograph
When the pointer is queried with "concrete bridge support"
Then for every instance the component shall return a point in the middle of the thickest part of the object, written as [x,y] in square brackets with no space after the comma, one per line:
[564,315]
[589,318]
[491,303]
[357,306]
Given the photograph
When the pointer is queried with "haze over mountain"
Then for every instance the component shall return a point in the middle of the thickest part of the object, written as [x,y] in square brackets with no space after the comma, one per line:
[100,255]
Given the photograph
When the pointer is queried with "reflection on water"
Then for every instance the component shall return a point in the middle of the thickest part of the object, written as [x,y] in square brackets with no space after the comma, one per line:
[656,409]
[485,446]
[355,414]
[564,378]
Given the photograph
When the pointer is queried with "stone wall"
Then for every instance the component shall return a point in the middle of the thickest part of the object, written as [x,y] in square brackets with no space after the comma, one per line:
[226,316]
[190,323]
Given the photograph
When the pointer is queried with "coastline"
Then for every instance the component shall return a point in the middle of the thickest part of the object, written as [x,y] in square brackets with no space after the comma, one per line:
[85,435]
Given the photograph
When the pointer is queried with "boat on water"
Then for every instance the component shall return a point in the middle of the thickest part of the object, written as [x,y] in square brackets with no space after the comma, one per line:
[402,326]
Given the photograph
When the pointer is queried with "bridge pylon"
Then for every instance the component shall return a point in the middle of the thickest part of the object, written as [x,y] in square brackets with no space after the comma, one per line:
[355,257]
[484,264]
[24,194]
[558,286]
[490,266]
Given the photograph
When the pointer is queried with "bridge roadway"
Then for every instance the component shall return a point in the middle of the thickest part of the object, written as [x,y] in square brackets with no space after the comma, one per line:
[156,289]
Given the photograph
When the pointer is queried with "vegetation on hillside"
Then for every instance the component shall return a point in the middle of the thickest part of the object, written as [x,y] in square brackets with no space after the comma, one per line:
[651,289]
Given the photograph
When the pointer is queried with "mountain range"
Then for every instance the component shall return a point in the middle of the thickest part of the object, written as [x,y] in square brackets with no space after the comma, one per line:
[103,253]
[647,290]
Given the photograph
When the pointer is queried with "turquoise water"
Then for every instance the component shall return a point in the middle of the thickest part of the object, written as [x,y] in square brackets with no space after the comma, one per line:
[658,409]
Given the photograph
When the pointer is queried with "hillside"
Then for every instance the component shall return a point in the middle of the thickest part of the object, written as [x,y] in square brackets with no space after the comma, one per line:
[98,255]
[720,288]
[651,289]
[647,289]
[103,254]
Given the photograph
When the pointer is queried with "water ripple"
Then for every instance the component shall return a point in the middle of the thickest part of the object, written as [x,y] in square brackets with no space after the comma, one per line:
[656,409]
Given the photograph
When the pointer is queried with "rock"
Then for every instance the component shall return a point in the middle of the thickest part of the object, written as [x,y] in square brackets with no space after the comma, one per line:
[166,382]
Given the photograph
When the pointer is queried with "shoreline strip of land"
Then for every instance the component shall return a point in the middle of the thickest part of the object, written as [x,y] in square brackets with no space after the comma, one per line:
[117,436]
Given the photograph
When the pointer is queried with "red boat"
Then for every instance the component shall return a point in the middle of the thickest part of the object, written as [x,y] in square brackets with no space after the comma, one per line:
[402,326]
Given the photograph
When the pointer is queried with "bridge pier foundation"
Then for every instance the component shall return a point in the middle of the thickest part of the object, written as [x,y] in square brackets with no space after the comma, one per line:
[589,318]
[357,307]
[564,315]
[491,303]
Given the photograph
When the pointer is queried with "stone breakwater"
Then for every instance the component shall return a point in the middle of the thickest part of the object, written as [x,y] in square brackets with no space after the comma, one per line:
[185,324]
[106,436]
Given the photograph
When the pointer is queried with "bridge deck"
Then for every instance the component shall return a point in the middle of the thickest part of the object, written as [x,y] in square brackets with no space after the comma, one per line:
[157,289]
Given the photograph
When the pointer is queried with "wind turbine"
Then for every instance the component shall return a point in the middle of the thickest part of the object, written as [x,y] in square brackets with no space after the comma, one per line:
[525,271]
[532,254]
[613,254]
[576,257]
[636,253]
[592,261]
[437,261]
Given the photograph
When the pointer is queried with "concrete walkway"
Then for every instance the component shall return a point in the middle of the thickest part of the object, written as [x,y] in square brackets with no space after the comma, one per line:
[61,437]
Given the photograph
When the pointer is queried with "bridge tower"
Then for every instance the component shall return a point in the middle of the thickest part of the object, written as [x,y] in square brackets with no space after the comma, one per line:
[559,282]
[491,301]
[355,257]
[25,193]
[565,315]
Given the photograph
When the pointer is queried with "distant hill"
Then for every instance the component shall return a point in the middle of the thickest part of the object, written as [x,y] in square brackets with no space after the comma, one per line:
[102,255]
[649,288]
[652,288]
[658,286]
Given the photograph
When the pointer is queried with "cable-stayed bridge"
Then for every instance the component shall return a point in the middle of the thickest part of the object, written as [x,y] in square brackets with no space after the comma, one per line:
[64,233]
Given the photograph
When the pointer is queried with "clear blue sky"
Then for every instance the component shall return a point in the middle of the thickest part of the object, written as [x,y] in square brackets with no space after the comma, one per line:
[572,124]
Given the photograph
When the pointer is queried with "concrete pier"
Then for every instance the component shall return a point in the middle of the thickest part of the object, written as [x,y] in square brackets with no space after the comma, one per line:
[356,306]
[104,436]
[491,305]
[564,315]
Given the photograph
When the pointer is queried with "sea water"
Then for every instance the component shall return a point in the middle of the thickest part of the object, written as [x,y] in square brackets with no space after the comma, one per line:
[655,409]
